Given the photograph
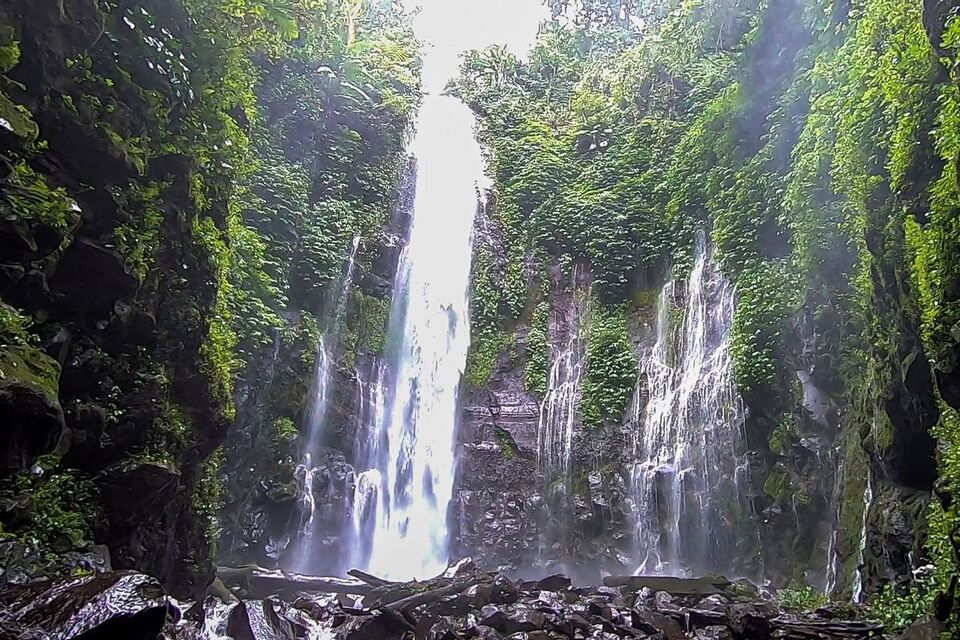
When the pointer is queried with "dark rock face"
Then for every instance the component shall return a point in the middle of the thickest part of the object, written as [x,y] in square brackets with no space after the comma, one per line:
[502,513]
[87,261]
[130,339]
[115,605]
[21,563]
[497,509]
[144,505]
[32,417]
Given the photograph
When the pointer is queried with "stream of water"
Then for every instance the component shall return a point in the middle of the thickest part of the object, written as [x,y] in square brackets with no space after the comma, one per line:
[402,496]
[690,473]
[568,366]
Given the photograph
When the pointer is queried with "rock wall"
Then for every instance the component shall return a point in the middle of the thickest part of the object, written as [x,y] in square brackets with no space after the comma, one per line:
[812,446]
[262,509]
[121,351]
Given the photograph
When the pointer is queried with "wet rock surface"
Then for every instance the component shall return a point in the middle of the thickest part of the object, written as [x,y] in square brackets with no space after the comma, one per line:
[113,605]
[464,603]
[467,603]
[33,420]
[504,516]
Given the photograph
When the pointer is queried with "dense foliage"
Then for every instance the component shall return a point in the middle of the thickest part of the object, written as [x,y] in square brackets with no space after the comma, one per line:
[817,142]
[209,164]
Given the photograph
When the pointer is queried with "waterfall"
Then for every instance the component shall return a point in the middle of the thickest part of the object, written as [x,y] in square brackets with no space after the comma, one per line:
[400,514]
[368,454]
[308,468]
[832,571]
[568,360]
[689,476]
[859,575]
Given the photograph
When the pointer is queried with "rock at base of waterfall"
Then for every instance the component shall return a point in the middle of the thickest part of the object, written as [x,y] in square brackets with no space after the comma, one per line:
[462,604]
[112,605]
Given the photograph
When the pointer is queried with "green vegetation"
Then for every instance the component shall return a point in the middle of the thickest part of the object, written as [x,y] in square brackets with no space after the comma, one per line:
[508,447]
[802,599]
[209,163]
[57,511]
[897,608]
[815,141]
[612,374]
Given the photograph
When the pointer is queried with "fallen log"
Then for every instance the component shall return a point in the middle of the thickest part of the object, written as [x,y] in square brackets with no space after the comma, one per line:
[435,595]
[674,586]
[257,582]
[369,579]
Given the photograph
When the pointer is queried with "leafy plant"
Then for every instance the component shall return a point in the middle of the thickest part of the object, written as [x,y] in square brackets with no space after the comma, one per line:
[801,599]
[897,608]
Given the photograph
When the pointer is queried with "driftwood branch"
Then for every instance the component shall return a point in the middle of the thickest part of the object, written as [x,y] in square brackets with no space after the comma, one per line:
[434,595]
[369,579]
[258,582]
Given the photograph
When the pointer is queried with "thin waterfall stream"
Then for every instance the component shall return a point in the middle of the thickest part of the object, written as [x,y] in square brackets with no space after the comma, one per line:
[568,365]
[689,478]
[310,466]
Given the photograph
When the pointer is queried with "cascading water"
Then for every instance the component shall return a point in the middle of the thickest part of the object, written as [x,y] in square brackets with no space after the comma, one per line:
[308,468]
[833,556]
[368,453]
[559,409]
[402,496]
[688,479]
[859,575]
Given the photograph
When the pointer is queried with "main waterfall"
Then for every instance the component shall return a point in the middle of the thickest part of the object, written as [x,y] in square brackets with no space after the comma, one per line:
[400,523]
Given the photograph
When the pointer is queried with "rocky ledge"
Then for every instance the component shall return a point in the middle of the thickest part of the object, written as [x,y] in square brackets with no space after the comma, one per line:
[464,603]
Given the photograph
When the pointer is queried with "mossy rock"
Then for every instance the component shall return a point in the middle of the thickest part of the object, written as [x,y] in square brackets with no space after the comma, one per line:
[33,418]
[777,485]
[16,120]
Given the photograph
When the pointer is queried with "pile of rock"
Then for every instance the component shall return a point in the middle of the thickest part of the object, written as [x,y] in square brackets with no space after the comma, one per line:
[462,604]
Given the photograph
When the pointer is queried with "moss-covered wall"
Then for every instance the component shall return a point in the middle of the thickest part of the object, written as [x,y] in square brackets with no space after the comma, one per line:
[816,141]
[180,181]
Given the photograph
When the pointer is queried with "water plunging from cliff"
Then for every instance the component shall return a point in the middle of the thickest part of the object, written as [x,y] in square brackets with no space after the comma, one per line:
[369,451]
[402,497]
[859,575]
[689,442]
[308,468]
[558,412]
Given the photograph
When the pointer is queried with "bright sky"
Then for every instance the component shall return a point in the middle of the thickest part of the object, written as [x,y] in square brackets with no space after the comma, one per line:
[455,26]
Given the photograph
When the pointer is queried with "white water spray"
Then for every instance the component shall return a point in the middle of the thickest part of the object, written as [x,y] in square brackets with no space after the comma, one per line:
[404,497]
[689,439]
[568,366]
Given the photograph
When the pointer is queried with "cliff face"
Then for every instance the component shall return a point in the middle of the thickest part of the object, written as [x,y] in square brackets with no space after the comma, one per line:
[168,226]
[506,514]
[122,351]
[262,511]
[832,505]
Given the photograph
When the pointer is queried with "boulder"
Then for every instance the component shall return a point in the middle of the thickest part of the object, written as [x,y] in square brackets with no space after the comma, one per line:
[260,620]
[652,622]
[32,417]
[142,504]
[384,625]
[122,604]
[926,628]
[553,583]
[90,279]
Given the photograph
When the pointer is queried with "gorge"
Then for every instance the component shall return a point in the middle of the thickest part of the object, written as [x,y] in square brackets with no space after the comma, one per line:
[531,320]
